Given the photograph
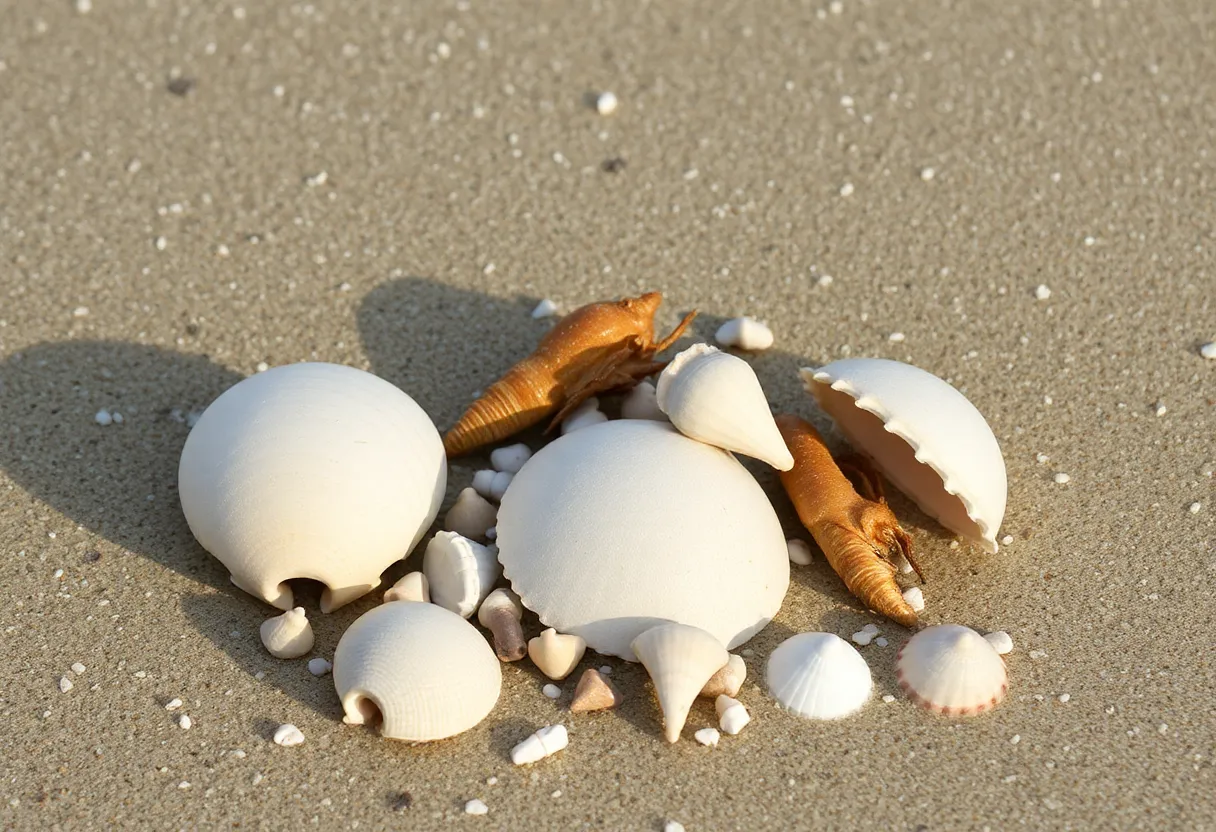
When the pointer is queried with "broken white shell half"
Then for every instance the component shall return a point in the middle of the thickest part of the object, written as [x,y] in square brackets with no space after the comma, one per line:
[611,530]
[952,670]
[744,333]
[556,654]
[680,660]
[544,743]
[460,573]
[425,671]
[818,676]
[642,403]
[287,636]
[267,492]
[715,397]
[924,435]
[412,586]
[471,515]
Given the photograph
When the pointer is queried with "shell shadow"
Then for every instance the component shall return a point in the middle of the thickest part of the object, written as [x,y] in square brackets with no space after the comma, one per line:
[118,481]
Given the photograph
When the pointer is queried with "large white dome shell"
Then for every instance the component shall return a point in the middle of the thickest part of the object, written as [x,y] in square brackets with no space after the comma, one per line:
[311,471]
[618,527]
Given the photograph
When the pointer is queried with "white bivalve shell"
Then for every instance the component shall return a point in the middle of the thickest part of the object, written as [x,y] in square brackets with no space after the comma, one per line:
[924,435]
[952,670]
[715,397]
[311,471]
[818,676]
[611,530]
[425,671]
[459,572]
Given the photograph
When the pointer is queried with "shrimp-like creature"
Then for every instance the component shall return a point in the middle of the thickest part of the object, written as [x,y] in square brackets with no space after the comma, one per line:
[859,536]
[598,348]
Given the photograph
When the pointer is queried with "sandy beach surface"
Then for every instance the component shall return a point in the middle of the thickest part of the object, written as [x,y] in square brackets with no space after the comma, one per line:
[190,191]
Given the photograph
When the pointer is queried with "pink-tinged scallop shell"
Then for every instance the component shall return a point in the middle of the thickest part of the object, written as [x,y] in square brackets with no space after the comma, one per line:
[952,670]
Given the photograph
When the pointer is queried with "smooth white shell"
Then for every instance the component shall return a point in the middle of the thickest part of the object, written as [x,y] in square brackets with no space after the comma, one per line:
[287,636]
[459,572]
[924,435]
[818,676]
[715,397]
[952,670]
[611,530]
[429,673]
[744,333]
[510,458]
[544,743]
[732,715]
[412,586]
[680,660]
[311,471]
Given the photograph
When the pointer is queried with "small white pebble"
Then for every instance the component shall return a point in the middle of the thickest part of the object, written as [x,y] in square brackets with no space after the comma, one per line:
[510,458]
[1160,410]
[78,668]
[927,174]
[316,180]
[886,697]
[881,642]
[185,722]
[1061,478]
[799,552]
[584,416]
[896,337]
[288,735]
[1064,697]
[606,103]
[1041,458]
[732,715]
[1089,241]
[491,781]
[492,533]
[65,684]
[262,367]
[1015,739]
[161,243]
[1208,350]
[1194,508]
[846,189]
[1007,539]
[80,312]
[915,598]
[1000,641]
[824,280]
[185,784]
[84,6]
[872,629]
[744,333]
[476,807]
[1042,292]
[500,484]
[319,666]
[544,743]
[1038,654]
[545,309]
[58,573]
[862,638]
[173,704]
[1163,728]
[707,736]
[551,691]
[103,418]
[673,826]
[483,480]
[444,50]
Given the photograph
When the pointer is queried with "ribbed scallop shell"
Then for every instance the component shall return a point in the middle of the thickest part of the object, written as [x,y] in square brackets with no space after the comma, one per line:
[952,670]
[924,435]
[429,673]
[680,660]
[818,676]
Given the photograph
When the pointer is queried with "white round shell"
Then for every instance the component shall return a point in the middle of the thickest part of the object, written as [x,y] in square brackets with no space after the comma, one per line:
[614,529]
[429,673]
[311,471]
[952,670]
[818,676]
[924,435]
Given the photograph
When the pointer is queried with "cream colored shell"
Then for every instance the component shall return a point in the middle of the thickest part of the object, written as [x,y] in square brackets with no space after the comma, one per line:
[818,676]
[611,530]
[425,671]
[311,471]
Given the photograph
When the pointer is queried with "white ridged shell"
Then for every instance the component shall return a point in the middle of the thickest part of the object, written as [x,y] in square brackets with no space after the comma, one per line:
[311,471]
[818,676]
[715,397]
[680,660]
[924,435]
[952,670]
[611,530]
[428,672]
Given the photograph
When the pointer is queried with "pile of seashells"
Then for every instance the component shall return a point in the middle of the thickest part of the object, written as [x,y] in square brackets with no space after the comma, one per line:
[329,473]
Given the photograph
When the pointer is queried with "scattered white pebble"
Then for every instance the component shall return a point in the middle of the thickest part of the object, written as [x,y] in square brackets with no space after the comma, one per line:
[673,826]
[78,668]
[1042,292]
[545,309]
[319,666]
[500,484]
[103,418]
[846,189]
[476,807]
[317,179]
[881,642]
[1089,241]
[1007,539]
[80,312]
[185,722]
[483,480]
[872,629]
[1038,654]
[544,743]
[185,784]
[886,697]
[551,691]
[744,333]
[584,416]
[262,367]
[732,715]
[1061,478]
[1000,641]
[1041,458]
[84,6]
[288,735]
[1160,409]
[492,533]
[896,337]
[606,103]
[927,174]
[824,280]
[915,598]
[173,704]
[161,243]
[1015,739]
[65,684]
[862,638]
[1208,350]
[510,458]
[1064,697]
[491,781]
[1195,507]
[799,551]
[707,736]
[444,50]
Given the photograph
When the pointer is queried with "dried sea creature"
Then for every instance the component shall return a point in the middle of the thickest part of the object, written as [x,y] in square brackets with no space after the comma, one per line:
[501,613]
[471,515]
[952,670]
[818,676]
[594,693]
[544,743]
[732,715]
[287,636]
[460,572]
[265,492]
[412,586]
[726,679]
[744,333]
[421,669]
[556,654]
[860,537]
[680,660]
[598,348]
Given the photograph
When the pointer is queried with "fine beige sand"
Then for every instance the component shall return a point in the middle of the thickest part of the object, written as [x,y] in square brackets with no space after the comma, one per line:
[188,190]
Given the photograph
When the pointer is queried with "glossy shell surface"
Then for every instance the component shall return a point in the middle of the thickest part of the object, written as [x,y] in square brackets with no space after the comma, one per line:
[818,676]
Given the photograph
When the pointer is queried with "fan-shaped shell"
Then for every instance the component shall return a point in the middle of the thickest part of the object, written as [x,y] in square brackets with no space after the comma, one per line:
[311,471]
[924,435]
[425,670]
[952,670]
[613,529]
[818,676]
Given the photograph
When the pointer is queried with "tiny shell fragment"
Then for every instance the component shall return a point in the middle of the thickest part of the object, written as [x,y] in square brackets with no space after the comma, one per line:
[707,736]
[1000,641]
[65,684]
[584,416]
[732,716]
[319,666]
[606,103]
[544,743]
[510,458]
[476,807]
[915,598]
[471,515]
[185,722]
[1208,350]
[288,735]
[545,309]
[173,704]
[642,403]
[412,586]
[745,334]
[800,552]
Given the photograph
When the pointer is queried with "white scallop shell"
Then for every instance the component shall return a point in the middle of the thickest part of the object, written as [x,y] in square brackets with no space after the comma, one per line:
[952,670]
[424,670]
[459,572]
[924,435]
[680,660]
[818,676]
[715,397]
[311,471]
[613,529]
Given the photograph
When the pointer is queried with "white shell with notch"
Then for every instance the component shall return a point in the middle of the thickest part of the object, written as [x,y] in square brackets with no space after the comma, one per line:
[818,676]
[611,530]
[952,670]
[924,435]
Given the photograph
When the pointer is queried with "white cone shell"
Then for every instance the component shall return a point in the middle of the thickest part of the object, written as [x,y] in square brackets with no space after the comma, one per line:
[680,659]
[818,676]
[287,636]
[952,670]
[924,435]
[429,672]
[715,397]
[609,531]
[311,471]
[459,572]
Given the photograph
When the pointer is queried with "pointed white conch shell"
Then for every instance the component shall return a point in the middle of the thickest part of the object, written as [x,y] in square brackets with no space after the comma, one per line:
[425,671]
[461,573]
[412,586]
[287,636]
[818,676]
[715,397]
[266,491]
[732,716]
[642,403]
[745,333]
[471,515]
[680,660]
[952,670]
[544,743]
[556,654]
[726,679]
[924,435]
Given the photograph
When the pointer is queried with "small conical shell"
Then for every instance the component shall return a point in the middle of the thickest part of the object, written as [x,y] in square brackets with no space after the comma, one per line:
[471,515]
[680,660]
[412,586]
[952,670]
[287,636]
[594,693]
[461,573]
[818,676]
[726,679]
[556,654]
[715,398]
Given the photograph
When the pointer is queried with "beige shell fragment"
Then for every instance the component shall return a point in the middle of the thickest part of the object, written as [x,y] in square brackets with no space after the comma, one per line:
[680,660]
[556,654]
[594,693]
[412,586]
[727,679]
[287,636]
[471,515]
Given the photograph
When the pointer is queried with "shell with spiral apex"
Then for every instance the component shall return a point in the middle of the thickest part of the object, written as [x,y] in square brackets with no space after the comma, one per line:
[680,660]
